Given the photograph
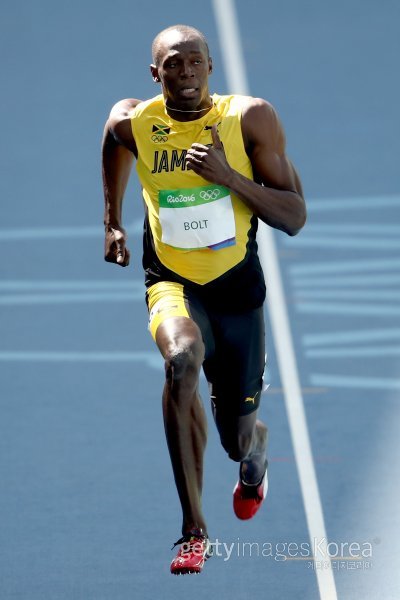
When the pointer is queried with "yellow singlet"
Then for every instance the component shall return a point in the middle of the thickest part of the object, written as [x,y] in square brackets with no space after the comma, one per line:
[162,143]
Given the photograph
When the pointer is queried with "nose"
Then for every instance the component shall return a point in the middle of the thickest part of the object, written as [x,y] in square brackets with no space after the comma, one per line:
[187,70]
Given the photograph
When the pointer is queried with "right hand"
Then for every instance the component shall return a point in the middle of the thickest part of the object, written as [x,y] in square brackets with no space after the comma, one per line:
[115,250]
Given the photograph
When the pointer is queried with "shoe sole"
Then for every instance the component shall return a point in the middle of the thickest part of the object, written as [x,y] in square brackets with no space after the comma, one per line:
[194,571]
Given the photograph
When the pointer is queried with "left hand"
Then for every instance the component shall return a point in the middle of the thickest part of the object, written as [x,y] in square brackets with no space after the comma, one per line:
[210,162]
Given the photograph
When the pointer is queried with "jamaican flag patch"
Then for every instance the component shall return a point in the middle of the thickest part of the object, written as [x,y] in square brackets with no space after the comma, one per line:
[160,133]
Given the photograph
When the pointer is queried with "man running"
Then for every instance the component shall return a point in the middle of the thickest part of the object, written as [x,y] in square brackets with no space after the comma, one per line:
[210,166]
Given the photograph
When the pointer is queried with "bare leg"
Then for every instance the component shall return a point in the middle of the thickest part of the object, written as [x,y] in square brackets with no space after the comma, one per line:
[252,468]
[181,345]
[245,440]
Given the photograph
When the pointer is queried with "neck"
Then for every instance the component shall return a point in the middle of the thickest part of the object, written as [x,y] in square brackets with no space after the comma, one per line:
[189,111]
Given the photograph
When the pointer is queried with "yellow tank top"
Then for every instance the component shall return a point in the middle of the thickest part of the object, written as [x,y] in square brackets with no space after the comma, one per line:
[162,143]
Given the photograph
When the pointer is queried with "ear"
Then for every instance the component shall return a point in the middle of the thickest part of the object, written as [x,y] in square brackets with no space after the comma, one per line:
[210,66]
[154,73]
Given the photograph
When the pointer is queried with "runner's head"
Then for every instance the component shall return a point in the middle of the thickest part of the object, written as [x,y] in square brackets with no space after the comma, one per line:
[182,64]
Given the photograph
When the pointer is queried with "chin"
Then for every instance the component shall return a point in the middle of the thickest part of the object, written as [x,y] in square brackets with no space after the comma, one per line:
[187,103]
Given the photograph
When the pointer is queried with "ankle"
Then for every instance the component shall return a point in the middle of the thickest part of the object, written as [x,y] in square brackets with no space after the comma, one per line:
[252,471]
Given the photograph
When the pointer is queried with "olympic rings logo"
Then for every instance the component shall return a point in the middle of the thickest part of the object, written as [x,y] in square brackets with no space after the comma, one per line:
[209,194]
[159,139]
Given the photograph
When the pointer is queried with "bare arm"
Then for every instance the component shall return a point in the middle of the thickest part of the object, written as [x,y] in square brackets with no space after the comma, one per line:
[118,151]
[275,195]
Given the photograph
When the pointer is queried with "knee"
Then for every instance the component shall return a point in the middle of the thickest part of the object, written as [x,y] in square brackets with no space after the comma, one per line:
[184,360]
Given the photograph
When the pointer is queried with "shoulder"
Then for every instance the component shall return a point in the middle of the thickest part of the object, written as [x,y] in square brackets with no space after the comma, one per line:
[123,108]
[256,109]
[260,122]
[118,122]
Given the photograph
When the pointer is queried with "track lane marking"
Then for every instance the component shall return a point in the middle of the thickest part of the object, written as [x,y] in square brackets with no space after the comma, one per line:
[237,82]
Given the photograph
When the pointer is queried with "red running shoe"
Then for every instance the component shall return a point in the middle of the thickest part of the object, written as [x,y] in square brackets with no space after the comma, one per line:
[196,548]
[247,498]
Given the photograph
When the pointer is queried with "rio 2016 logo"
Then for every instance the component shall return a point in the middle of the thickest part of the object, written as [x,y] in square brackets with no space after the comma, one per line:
[181,198]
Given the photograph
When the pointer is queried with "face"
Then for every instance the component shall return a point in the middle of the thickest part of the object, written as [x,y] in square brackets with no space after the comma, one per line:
[183,69]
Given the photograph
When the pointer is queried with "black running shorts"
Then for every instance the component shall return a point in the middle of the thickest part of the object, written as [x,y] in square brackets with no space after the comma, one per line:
[234,344]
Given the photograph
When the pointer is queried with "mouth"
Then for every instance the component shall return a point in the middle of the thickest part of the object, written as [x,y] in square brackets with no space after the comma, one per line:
[188,92]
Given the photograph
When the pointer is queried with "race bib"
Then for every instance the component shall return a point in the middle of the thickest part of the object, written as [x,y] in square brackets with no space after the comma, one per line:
[200,217]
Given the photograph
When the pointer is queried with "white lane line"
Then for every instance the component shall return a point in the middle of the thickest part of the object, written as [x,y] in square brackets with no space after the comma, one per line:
[351,352]
[346,266]
[28,285]
[46,233]
[67,298]
[53,291]
[332,338]
[354,382]
[356,228]
[362,202]
[346,280]
[345,308]
[151,359]
[295,408]
[342,243]
[236,77]
[231,47]
[348,294]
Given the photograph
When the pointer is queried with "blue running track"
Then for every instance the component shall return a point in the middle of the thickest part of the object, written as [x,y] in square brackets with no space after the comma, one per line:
[88,508]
